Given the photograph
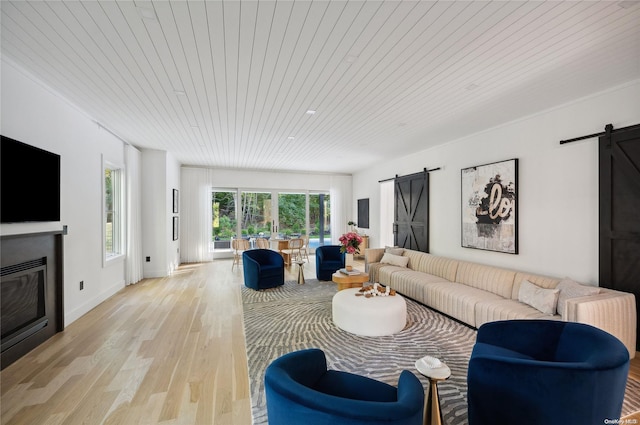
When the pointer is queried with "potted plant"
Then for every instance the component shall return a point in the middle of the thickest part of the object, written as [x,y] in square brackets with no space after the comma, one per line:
[353,226]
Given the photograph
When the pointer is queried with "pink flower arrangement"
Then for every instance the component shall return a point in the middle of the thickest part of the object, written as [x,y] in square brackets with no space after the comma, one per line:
[350,243]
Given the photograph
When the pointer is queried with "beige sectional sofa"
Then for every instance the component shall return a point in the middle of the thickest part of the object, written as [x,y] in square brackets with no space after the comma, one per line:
[475,294]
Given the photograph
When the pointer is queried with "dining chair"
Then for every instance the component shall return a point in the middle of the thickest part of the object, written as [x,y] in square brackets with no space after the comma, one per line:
[293,251]
[238,246]
[304,249]
[262,243]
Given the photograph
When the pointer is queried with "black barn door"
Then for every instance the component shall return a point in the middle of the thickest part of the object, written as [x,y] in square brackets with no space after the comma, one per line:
[411,225]
[619,156]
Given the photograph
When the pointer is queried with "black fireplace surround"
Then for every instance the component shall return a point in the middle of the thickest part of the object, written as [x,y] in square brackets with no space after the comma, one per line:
[31,295]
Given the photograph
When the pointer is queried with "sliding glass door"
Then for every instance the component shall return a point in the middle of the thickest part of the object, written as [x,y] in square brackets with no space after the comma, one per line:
[292,212]
[224,222]
[268,214]
[255,215]
[319,220]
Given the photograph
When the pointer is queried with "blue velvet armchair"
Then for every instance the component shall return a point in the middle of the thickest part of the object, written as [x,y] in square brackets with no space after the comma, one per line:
[329,259]
[545,372]
[263,268]
[300,390]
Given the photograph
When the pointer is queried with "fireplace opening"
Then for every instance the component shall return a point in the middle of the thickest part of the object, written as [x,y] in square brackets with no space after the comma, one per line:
[22,301]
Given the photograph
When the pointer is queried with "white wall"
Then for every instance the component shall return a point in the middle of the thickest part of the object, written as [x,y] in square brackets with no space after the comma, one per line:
[225,178]
[557,191]
[160,175]
[35,115]
[172,182]
[154,213]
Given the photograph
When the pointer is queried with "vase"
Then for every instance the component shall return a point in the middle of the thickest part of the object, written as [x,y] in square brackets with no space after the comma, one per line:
[348,260]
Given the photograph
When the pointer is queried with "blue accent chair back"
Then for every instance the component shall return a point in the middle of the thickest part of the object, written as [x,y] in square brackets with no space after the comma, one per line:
[263,268]
[545,372]
[329,260]
[300,390]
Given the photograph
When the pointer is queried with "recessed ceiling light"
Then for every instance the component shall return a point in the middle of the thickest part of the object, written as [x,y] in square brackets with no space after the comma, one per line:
[147,14]
[350,58]
[310,111]
[291,138]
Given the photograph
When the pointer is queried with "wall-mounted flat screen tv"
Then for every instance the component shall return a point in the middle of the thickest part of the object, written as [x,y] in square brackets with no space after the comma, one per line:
[29,183]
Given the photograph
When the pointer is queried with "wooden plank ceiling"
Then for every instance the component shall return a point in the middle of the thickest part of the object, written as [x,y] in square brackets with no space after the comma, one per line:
[229,83]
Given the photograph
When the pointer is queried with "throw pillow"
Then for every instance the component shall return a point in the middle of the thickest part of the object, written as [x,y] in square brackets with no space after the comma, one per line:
[393,250]
[395,260]
[544,300]
[572,289]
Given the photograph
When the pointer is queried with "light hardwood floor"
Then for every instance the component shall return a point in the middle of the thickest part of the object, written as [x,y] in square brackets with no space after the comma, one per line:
[167,350]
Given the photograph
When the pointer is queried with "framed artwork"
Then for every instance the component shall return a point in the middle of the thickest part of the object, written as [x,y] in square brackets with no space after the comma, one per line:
[175,201]
[489,206]
[176,228]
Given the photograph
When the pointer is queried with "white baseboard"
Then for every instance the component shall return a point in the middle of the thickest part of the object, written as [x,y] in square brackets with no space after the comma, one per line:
[83,309]
[148,274]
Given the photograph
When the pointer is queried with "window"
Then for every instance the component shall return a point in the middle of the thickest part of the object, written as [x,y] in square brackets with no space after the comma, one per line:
[113,218]
[292,214]
[223,213]
[255,214]
[319,219]
[271,214]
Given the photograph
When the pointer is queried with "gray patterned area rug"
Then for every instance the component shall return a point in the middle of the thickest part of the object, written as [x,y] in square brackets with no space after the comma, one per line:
[294,317]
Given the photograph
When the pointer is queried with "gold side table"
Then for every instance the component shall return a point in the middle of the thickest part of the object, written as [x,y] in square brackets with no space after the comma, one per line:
[300,264]
[436,371]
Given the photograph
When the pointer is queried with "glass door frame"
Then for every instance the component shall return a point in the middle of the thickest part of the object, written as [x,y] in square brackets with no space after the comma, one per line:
[323,211]
[260,227]
[225,250]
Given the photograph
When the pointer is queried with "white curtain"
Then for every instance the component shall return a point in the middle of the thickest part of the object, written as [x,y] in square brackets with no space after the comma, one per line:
[133,182]
[386,212]
[341,205]
[195,214]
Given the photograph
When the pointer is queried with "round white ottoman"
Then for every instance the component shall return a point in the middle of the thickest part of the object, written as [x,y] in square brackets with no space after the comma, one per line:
[375,316]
